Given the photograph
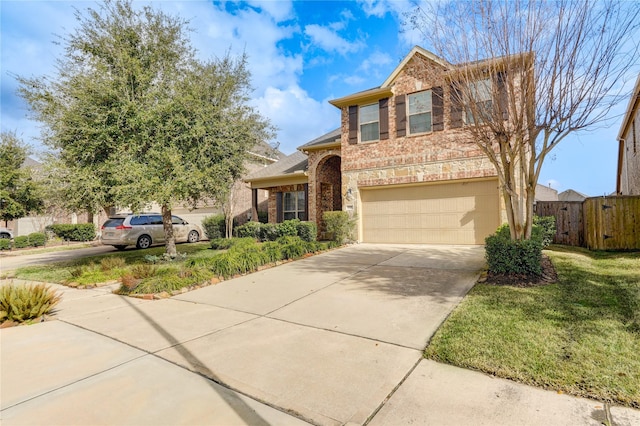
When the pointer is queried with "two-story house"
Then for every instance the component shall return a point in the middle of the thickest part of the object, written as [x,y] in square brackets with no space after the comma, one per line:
[628,176]
[401,161]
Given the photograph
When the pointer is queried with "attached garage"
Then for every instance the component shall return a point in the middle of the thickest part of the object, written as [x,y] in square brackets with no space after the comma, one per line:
[461,212]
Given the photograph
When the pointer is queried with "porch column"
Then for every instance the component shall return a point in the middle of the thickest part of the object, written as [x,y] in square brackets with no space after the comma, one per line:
[254,204]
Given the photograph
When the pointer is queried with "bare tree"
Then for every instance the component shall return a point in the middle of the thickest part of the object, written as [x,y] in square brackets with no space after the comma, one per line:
[528,74]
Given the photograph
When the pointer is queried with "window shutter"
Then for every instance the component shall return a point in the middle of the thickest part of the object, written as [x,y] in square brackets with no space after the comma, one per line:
[401,116]
[437,107]
[353,124]
[306,201]
[503,101]
[279,213]
[456,107]
[383,107]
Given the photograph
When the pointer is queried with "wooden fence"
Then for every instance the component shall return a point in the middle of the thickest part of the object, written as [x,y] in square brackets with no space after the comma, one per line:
[599,223]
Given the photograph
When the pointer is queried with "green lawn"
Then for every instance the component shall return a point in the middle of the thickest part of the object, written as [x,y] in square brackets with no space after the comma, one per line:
[580,336]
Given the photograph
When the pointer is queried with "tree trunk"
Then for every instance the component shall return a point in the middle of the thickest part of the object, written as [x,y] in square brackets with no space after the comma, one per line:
[169,238]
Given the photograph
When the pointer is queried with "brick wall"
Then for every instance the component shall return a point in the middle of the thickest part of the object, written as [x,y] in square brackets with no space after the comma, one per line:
[324,166]
[272,202]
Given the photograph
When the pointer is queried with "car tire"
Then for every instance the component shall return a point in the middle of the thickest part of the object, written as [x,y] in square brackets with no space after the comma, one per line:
[144,241]
[120,247]
[193,237]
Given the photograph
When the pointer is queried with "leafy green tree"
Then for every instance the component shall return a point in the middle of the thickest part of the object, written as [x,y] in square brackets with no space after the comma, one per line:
[136,118]
[19,193]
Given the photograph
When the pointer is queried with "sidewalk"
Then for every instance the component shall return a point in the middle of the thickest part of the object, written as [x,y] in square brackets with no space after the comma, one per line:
[243,352]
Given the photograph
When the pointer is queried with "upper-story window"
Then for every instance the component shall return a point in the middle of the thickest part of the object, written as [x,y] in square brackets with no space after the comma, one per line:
[420,110]
[369,120]
[481,96]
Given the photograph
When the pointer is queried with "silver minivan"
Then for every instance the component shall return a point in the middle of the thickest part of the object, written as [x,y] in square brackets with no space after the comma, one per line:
[144,230]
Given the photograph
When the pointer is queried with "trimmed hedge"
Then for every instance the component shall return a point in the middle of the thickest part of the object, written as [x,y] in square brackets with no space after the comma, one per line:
[214,226]
[74,232]
[21,242]
[37,239]
[507,256]
[5,244]
[340,225]
[546,226]
[307,231]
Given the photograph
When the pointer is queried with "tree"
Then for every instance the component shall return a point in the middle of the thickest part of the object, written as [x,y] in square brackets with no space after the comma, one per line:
[135,117]
[19,192]
[552,67]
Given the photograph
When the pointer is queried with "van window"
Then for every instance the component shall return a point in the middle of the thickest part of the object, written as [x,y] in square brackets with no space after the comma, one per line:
[156,219]
[139,220]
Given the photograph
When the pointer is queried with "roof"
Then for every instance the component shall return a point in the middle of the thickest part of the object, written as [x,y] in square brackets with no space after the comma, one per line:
[295,163]
[628,116]
[265,151]
[546,193]
[320,142]
[572,195]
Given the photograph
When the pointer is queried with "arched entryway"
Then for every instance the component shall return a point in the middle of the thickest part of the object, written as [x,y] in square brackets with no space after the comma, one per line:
[329,188]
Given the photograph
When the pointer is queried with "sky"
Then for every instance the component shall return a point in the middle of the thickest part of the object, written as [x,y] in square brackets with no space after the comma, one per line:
[301,55]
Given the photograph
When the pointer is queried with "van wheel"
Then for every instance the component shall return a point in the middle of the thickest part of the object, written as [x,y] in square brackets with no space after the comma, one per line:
[143,242]
[193,237]
[120,247]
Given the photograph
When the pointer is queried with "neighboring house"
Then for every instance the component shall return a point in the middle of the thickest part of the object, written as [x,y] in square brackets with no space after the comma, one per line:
[628,176]
[401,162]
[545,193]
[571,195]
[53,215]
[261,156]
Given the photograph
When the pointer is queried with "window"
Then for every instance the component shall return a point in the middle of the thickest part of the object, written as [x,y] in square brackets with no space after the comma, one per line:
[420,112]
[480,93]
[293,205]
[139,220]
[369,123]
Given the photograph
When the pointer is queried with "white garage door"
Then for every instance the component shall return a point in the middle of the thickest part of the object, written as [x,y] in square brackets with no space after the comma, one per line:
[448,213]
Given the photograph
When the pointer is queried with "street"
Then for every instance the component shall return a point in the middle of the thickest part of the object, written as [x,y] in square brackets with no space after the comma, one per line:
[13,262]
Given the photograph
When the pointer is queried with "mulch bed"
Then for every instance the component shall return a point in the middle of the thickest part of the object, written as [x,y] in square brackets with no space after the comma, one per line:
[549,276]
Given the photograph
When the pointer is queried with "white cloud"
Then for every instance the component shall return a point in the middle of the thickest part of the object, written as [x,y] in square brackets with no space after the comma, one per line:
[280,10]
[299,117]
[329,40]
[400,10]
[375,59]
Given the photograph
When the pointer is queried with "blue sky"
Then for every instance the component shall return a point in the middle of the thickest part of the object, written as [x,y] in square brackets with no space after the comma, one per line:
[301,54]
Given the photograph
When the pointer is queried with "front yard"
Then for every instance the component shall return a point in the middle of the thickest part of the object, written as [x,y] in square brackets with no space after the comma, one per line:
[580,335]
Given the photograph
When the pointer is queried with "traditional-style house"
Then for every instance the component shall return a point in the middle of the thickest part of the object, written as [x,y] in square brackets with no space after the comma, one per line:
[628,176]
[401,162]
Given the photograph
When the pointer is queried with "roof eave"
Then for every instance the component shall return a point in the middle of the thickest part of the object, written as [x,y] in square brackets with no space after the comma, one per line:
[635,98]
[333,144]
[362,97]
[265,181]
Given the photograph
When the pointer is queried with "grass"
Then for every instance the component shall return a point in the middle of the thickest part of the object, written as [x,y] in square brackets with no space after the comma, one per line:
[580,336]
[89,270]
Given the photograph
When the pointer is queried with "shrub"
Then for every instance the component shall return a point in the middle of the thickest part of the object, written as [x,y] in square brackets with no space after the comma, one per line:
[293,247]
[214,226]
[5,244]
[339,225]
[507,256]
[21,241]
[272,251]
[221,243]
[248,230]
[308,231]
[112,262]
[143,270]
[263,217]
[25,302]
[268,232]
[288,228]
[546,226]
[37,239]
[75,232]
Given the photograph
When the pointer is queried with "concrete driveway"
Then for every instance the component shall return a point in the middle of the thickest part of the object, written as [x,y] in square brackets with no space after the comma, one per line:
[329,340]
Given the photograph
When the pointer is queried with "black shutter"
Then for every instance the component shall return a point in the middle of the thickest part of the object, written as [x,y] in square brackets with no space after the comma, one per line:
[456,106]
[353,124]
[503,102]
[437,109]
[279,213]
[306,201]
[383,106]
[401,116]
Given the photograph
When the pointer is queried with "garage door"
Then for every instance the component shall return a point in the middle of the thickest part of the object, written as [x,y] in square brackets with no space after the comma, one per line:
[451,213]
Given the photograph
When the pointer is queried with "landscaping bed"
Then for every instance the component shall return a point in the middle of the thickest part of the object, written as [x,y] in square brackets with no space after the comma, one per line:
[149,274]
[580,335]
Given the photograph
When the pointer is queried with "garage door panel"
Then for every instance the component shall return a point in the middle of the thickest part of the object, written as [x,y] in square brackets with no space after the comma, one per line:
[451,213]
